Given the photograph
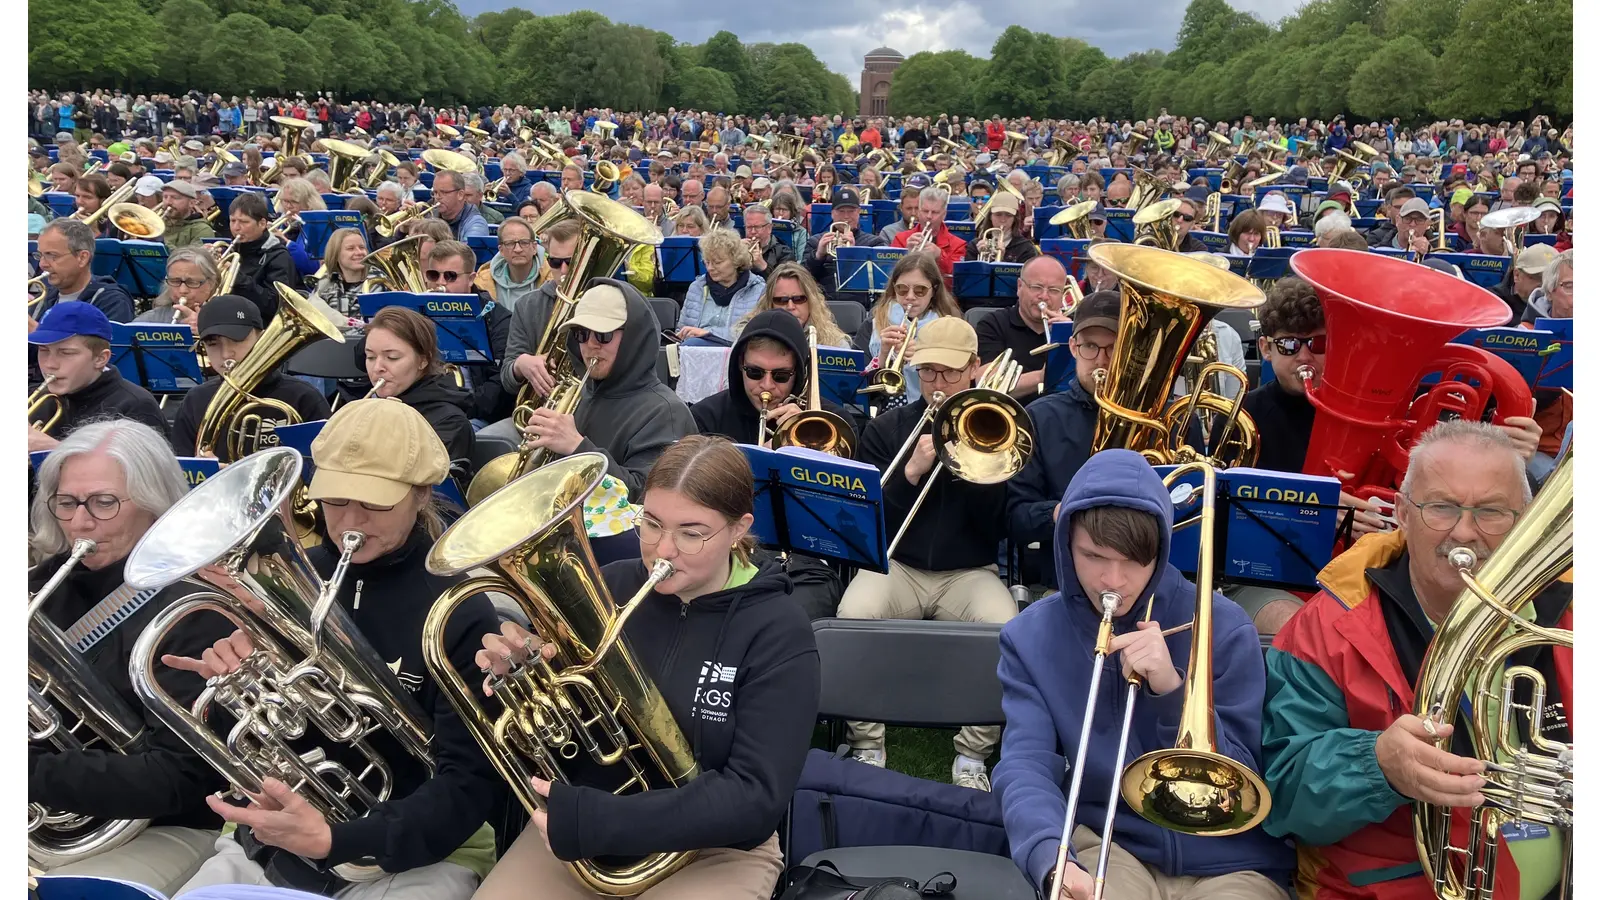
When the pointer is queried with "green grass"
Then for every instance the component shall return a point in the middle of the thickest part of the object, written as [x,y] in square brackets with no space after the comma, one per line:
[923,752]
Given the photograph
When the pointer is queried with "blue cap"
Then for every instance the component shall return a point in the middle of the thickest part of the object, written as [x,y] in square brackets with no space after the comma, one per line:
[69,319]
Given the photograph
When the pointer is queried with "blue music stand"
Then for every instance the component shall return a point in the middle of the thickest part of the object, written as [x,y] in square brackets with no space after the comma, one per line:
[1238,265]
[458,318]
[158,357]
[820,505]
[783,231]
[865,270]
[1119,225]
[143,267]
[1042,229]
[839,370]
[1483,271]
[1270,264]
[1072,252]
[484,247]
[678,260]
[966,229]
[1215,241]
[60,202]
[975,280]
[1298,239]
[882,214]
[316,225]
[821,217]
[960,208]
[107,261]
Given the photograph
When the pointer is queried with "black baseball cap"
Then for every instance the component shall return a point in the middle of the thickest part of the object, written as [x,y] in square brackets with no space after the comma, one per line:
[230,316]
[1101,309]
[847,196]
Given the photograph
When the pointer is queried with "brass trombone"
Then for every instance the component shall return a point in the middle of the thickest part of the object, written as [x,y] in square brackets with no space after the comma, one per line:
[816,428]
[38,402]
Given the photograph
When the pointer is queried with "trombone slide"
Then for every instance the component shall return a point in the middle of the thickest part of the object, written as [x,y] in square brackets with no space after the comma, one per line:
[1102,648]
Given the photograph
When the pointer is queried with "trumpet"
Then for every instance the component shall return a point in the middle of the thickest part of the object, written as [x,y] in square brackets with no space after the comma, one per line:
[919,241]
[843,236]
[890,379]
[761,426]
[38,402]
[389,224]
[754,246]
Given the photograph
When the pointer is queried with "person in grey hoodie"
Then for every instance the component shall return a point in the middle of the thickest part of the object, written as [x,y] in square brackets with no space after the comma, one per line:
[626,412]
[514,272]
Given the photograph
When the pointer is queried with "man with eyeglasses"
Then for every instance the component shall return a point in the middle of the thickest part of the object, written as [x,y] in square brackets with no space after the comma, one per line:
[513,274]
[464,219]
[626,412]
[521,365]
[1342,754]
[229,326]
[944,566]
[819,257]
[448,268]
[1183,220]
[758,228]
[1023,328]
[74,346]
[655,208]
[66,257]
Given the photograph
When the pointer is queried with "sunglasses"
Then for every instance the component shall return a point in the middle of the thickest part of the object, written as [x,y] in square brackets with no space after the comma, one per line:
[446,277]
[1289,346]
[779,376]
[791,300]
[1186,217]
[556,262]
[584,335]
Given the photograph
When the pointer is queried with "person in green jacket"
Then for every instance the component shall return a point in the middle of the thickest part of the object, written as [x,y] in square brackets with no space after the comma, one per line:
[185,225]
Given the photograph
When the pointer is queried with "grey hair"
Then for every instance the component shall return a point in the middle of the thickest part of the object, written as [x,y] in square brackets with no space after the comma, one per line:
[155,481]
[725,243]
[196,256]
[548,189]
[1479,435]
[319,179]
[457,182]
[1552,272]
[513,160]
[757,208]
[79,237]
[1332,222]
[473,182]
[392,187]
[939,197]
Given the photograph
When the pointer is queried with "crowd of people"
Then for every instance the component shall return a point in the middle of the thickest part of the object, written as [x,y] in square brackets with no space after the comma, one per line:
[1077,544]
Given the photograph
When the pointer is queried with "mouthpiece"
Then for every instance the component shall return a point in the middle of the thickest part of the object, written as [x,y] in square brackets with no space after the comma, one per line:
[84,547]
[351,541]
[1463,558]
[1109,601]
[1306,373]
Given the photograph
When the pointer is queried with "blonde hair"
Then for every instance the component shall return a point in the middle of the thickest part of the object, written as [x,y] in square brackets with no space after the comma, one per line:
[829,334]
[302,192]
[725,243]
[335,247]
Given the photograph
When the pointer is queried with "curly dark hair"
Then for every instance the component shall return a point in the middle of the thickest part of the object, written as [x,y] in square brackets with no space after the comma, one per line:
[1292,307]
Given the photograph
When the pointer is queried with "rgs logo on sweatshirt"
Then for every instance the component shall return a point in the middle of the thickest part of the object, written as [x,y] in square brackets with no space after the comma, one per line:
[713,692]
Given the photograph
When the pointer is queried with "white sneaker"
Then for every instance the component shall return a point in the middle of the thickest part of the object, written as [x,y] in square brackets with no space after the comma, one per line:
[969,773]
[877,758]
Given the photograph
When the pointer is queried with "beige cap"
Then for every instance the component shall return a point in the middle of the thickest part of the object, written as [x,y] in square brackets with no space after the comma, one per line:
[1535,259]
[602,308]
[375,451]
[1003,202]
[946,341]
[1416,206]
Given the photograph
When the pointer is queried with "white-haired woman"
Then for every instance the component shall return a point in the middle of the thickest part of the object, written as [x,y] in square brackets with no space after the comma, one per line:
[104,485]
[724,295]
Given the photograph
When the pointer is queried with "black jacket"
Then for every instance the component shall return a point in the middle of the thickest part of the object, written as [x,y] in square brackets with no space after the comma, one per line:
[447,409]
[824,268]
[1005,329]
[1382,234]
[1063,437]
[109,397]
[261,263]
[959,526]
[1284,421]
[306,400]
[776,253]
[491,402]
[739,671]
[730,412]
[101,291]
[1019,249]
[163,779]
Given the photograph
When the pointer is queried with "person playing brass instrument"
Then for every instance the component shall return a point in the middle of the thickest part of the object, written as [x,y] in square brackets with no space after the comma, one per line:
[263,257]
[915,293]
[186,224]
[1112,540]
[932,235]
[66,256]
[819,257]
[1015,247]
[104,485]
[766,251]
[737,666]
[1042,298]
[74,346]
[400,348]
[376,465]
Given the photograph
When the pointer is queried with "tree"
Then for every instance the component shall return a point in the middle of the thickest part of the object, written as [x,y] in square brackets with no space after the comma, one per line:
[492,30]
[724,53]
[238,61]
[1523,54]
[1110,91]
[928,84]
[1076,67]
[1400,79]
[352,62]
[706,88]
[186,27]
[100,42]
[1429,21]
[303,62]
[1023,71]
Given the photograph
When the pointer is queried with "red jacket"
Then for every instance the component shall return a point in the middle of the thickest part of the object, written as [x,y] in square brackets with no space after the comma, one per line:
[996,135]
[951,249]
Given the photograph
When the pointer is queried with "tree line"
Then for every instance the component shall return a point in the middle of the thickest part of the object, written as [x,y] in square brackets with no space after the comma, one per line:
[1416,59]
[1375,59]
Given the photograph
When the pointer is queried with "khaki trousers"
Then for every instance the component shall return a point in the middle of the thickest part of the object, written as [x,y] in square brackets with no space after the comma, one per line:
[163,858]
[1129,879]
[529,870]
[440,881]
[962,595]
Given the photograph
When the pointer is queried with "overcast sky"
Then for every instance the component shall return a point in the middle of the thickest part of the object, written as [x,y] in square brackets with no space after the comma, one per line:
[841,32]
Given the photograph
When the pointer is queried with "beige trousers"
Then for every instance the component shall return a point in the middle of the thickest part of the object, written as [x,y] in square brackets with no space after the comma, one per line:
[163,858]
[962,595]
[529,870]
[1129,879]
[439,881]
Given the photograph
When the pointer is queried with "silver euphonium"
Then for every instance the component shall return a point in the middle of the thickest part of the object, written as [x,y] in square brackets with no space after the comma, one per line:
[311,669]
[72,708]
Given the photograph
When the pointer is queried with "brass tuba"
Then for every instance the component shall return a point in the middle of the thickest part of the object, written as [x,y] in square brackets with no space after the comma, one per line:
[508,467]
[1156,225]
[236,422]
[71,707]
[399,267]
[1528,782]
[311,671]
[596,700]
[294,131]
[1167,301]
[816,428]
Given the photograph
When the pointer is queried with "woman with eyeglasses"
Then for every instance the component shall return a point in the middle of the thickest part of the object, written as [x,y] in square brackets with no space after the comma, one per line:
[792,289]
[191,280]
[104,485]
[916,292]
[726,293]
[748,721]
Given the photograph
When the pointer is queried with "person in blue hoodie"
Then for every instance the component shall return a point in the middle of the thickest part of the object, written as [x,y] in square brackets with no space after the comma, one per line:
[1114,534]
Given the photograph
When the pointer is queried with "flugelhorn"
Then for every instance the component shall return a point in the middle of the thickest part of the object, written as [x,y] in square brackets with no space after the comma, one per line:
[815,428]
[592,699]
[39,401]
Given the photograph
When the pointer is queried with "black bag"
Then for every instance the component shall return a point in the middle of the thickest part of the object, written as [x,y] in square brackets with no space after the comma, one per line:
[824,881]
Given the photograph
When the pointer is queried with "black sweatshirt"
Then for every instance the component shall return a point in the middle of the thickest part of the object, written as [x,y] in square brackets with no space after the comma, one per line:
[300,395]
[739,670]
[262,262]
[960,525]
[109,397]
[426,818]
[446,408]
[1285,421]
[164,780]
[730,412]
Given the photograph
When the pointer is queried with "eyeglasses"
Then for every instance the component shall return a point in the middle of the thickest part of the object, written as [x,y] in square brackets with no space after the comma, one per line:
[446,277]
[1088,350]
[687,540]
[100,506]
[369,507]
[779,376]
[947,376]
[439,191]
[1289,346]
[919,291]
[791,300]
[1045,289]
[190,283]
[1441,516]
[516,245]
[584,335]
[558,262]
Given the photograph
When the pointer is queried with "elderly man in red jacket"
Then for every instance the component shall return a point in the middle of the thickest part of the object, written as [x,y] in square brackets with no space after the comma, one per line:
[995,133]
[931,205]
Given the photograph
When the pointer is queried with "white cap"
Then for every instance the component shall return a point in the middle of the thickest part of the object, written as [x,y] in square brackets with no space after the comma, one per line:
[1275,202]
[148,186]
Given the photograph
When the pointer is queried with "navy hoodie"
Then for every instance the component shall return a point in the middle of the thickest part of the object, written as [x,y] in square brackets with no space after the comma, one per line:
[739,670]
[1046,655]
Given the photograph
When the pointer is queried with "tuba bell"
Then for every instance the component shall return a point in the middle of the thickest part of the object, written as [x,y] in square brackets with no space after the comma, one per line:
[294,131]
[236,422]
[1156,225]
[311,671]
[599,702]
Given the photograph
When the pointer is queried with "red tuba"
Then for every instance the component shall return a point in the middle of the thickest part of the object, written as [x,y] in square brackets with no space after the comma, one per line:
[1389,326]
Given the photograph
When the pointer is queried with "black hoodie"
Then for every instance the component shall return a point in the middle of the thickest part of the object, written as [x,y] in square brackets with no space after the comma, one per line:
[306,400]
[261,263]
[739,670]
[447,408]
[730,412]
[109,397]
[163,779]
[630,416]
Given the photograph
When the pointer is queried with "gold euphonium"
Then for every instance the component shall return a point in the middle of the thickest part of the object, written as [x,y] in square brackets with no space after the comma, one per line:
[1167,301]
[1156,225]
[72,708]
[508,467]
[593,698]
[39,401]
[399,267]
[816,428]
[294,131]
[311,670]
[1529,780]
[236,422]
